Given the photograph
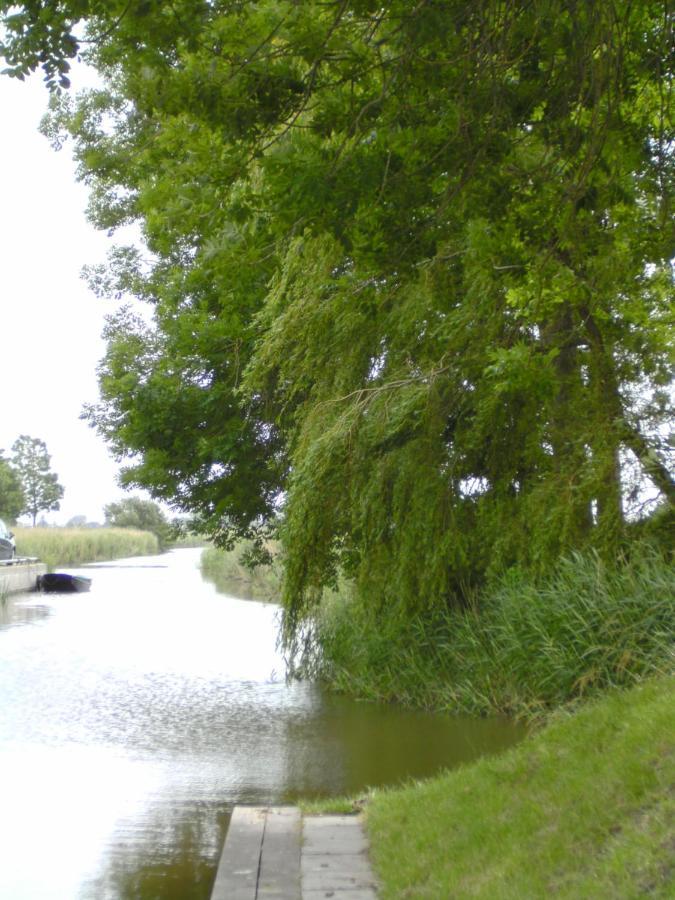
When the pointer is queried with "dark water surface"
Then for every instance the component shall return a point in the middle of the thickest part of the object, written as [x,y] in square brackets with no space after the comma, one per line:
[134,717]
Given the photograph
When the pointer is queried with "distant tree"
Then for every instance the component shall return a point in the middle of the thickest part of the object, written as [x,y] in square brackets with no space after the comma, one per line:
[12,498]
[134,512]
[41,488]
[77,522]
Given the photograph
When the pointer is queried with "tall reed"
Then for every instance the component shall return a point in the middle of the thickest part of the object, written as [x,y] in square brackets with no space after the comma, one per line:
[524,647]
[75,546]
[227,570]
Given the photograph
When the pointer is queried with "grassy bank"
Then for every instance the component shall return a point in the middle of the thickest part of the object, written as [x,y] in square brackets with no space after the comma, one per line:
[76,546]
[227,570]
[583,808]
[525,648]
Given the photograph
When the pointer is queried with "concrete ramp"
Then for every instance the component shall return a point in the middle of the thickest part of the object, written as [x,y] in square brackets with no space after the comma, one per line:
[272,853]
[20,576]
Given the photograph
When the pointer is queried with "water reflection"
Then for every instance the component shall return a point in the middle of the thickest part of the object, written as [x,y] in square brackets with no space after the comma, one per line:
[179,865]
[15,611]
[243,588]
[134,717]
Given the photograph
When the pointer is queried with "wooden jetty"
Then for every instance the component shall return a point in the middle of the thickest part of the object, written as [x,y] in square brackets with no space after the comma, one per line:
[274,853]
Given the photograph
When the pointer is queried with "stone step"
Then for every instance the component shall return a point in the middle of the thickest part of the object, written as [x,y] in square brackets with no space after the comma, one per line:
[273,853]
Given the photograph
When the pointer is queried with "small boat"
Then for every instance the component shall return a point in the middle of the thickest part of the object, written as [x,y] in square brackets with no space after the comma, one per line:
[60,582]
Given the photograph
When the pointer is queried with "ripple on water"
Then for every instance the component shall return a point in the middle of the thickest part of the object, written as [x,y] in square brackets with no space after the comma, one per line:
[135,716]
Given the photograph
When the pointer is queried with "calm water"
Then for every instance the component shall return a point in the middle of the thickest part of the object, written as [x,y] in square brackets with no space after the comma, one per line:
[134,717]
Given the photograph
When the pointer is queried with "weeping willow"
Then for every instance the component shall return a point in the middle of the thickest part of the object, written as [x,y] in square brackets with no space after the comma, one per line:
[409,269]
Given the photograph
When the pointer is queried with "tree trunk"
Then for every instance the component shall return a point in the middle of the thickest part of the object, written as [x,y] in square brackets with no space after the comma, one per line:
[618,426]
[569,454]
[606,441]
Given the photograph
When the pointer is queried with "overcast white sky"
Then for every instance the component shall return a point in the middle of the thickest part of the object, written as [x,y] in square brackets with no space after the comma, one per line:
[50,323]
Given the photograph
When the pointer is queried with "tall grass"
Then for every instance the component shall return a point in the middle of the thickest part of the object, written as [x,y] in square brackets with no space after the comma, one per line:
[75,546]
[524,647]
[227,570]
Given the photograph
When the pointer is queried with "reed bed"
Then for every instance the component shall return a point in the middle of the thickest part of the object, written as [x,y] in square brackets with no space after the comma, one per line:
[229,572]
[525,646]
[76,546]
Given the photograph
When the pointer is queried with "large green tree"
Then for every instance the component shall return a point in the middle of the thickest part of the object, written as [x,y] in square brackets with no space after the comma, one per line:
[12,498]
[41,488]
[409,266]
[135,512]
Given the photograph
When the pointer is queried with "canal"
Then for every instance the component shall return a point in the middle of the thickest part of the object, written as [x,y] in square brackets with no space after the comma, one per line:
[134,717]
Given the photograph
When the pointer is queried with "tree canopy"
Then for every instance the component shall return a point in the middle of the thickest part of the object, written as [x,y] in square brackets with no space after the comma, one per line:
[41,488]
[135,512]
[409,268]
[12,500]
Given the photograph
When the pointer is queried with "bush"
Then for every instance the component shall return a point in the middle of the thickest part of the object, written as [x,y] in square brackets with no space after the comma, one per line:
[525,646]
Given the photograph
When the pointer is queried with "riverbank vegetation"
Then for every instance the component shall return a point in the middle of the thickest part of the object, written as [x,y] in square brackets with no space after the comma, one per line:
[76,546]
[231,572]
[523,646]
[409,276]
[138,514]
[584,808]
[426,252]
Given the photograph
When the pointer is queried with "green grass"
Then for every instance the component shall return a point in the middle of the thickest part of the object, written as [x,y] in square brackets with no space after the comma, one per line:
[76,546]
[337,806]
[228,572]
[584,808]
[525,648]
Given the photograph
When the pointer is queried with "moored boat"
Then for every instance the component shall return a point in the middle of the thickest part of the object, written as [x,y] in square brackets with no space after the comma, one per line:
[62,583]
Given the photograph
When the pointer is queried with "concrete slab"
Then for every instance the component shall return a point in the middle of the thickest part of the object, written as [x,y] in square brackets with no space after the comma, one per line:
[279,877]
[338,894]
[20,576]
[237,875]
[271,853]
[333,834]
[337,881]
[335,860]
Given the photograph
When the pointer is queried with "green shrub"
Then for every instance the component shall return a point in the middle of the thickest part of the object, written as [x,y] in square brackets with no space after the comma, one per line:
[524,646]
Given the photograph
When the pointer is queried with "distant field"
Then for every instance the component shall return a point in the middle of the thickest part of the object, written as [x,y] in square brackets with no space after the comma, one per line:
[75,546]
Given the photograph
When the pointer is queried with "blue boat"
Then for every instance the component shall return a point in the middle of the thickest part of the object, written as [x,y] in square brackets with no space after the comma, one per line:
[61,583]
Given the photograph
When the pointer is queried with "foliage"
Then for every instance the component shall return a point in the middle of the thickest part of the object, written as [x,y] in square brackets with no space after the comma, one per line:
[584,808]
[524,647]
[78,521]
[12,499]
[40,486]
[409,268]
[76,546]
[233,572]
[141,515]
